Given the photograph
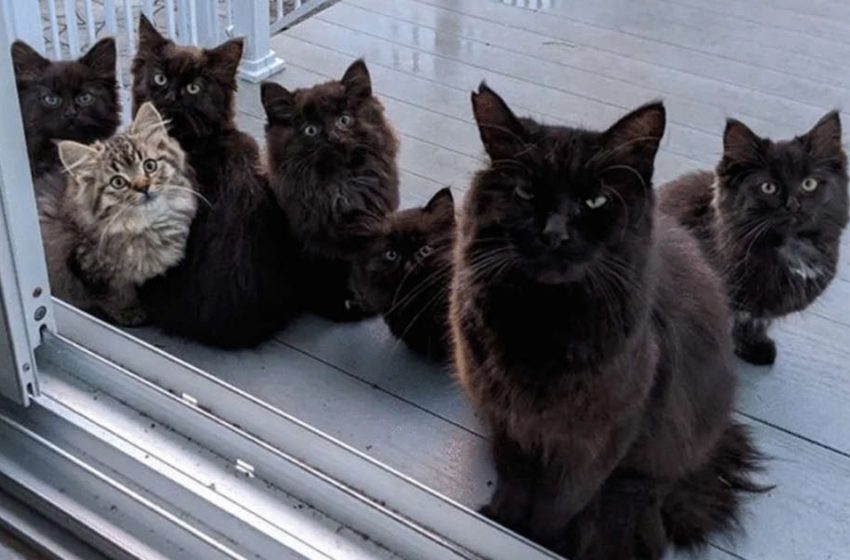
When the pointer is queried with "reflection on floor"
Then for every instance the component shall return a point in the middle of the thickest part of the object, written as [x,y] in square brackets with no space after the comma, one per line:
[776,64]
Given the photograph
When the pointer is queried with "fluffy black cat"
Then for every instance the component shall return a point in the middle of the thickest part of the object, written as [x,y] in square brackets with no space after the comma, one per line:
[770,219]
[332,166]
[595,339]
[405,271]
[68,100]
[233,288]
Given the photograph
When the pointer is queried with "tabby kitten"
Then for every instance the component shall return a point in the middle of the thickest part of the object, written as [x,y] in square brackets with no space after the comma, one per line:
[770,218]
[404,274]
[594,339]
[332,167]
[120,217]
[72,100]
[232,289]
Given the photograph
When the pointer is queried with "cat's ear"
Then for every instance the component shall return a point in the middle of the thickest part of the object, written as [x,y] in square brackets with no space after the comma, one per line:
[27,62]
[503,134]
[638,134]
[357,81]
[224,59]
[740,144]
[442,204]
[278,101]
[150,40]
[101,58]
[148,122]
[73,154]
[823,141]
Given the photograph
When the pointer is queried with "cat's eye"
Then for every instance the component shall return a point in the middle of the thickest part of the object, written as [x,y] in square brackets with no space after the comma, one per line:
[768,188]
[85,99]
[51,100]
[524,193]
[391,256]
[193,89]
[810,184]
[597,202]
[118,182]
[345,120]
[160,79]
[311,130]
[150,165]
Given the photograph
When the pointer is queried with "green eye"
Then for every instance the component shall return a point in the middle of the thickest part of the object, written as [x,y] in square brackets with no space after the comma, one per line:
[51,100]
[150,165]
[193,88]
[85,99]
[118,182]
[598,202]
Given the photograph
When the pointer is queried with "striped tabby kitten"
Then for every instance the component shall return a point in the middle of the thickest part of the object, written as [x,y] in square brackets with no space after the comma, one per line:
[119,217]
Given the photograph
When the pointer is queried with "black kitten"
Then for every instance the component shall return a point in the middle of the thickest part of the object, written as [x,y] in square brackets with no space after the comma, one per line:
[594,338]
[404,274]
[332,166]
[70,100]
[232,289]
[770,219]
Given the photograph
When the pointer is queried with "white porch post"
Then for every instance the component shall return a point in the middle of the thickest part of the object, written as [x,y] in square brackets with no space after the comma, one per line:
[22,19]
[251,20]
[206,14]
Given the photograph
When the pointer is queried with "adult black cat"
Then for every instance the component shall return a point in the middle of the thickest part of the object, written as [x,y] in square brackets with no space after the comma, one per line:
[770,219]
[332,166]
[232,289]
[68,100]
[595,339]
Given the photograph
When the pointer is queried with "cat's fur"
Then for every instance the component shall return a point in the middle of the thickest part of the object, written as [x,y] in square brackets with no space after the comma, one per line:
[592,336]
[405,271]
[777,252]
[83,100]
[335,185]
[232,289]
[120,217]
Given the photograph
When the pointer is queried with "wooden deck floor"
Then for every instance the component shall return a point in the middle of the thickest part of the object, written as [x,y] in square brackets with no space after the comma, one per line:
[776,64]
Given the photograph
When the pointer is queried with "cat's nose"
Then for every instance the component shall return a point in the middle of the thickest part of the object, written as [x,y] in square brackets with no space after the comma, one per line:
[142,185]
[792,204]
[70,111]
[555,231]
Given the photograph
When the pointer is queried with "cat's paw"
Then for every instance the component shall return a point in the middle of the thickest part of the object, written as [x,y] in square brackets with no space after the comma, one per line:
[759,351]
[130,317]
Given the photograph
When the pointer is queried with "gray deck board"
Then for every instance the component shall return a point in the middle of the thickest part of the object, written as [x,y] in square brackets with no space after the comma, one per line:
[778,65]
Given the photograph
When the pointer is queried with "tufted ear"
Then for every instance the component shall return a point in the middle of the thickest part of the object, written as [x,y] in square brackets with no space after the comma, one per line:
[823,141]
[357,81]
[224,59]
[73,154]
[150,40]
[442,205]
[148,122]
[638,133]
[28,64]
[503,135]
[278,102]
[740,144]
[101,58]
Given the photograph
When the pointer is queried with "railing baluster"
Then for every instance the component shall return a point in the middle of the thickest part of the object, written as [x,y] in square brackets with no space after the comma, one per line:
[91,27]
[147,8]
[71,28]
[54,29]
[111,19]
[193,23]
[128,23]
[279,13]
[170,29]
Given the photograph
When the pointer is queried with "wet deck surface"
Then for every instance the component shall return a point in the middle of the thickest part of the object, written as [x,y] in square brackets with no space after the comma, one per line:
[776,64]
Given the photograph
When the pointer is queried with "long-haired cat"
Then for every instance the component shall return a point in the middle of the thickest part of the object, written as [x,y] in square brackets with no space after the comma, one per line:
[118,216]
[332,166]
[595,340]
[68,100]
[770,219]
[404,274]
[232,289]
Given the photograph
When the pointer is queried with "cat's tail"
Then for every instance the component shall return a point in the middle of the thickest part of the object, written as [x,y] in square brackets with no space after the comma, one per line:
[708,500]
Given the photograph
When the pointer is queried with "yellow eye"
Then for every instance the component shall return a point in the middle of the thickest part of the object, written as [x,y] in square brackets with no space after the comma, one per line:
[524,193]
[193,89]
[768,188]
[598,202]
[810,184]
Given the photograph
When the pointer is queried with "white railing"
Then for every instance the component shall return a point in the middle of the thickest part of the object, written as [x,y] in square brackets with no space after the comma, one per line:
[63,29]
